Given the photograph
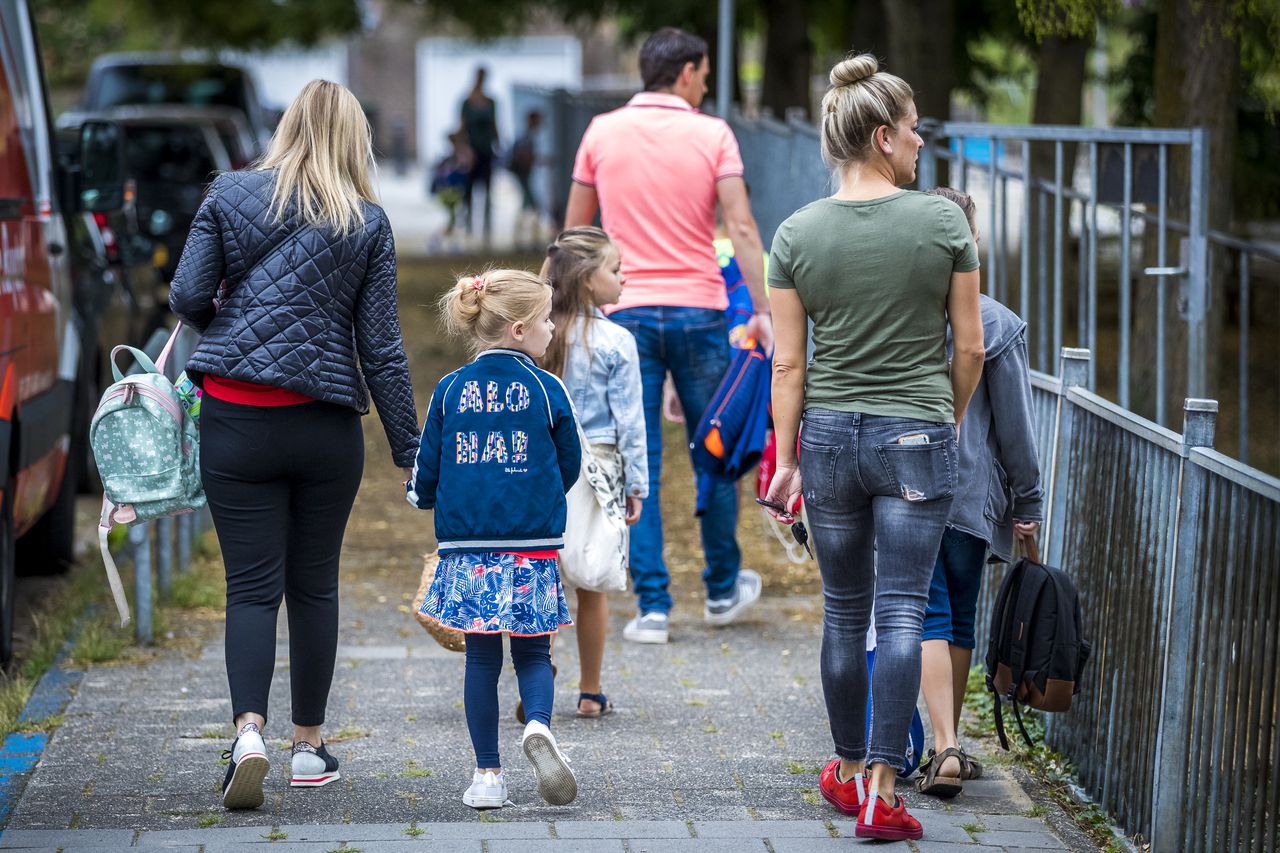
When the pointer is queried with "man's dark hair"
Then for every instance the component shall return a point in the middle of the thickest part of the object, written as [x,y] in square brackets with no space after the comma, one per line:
[665,54]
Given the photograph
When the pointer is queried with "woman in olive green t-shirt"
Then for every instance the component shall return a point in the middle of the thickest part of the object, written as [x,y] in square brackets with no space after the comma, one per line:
[880,272]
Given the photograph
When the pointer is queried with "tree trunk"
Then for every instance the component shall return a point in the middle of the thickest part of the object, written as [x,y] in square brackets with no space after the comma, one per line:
[788,57]
[1060,73]
[920,44]
[1196,85]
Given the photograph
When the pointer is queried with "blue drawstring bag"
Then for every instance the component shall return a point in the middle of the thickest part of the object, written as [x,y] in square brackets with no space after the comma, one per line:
[731,435]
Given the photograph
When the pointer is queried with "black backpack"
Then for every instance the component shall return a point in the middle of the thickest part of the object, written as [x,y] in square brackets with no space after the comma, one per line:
[1037,649]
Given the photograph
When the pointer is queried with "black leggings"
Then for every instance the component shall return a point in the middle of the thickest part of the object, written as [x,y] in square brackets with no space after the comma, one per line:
[280,481]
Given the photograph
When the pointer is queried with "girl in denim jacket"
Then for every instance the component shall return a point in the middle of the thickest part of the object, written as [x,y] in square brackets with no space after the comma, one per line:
[598,362]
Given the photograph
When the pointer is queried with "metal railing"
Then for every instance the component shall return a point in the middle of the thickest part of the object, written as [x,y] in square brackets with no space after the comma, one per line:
[161,548]
[1175,549]
[1077,251]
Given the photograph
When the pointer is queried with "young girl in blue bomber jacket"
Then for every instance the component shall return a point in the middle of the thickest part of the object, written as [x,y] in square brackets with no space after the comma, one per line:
[498,453]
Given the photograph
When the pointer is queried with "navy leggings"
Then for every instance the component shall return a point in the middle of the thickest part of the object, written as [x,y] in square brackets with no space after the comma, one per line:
[532,657]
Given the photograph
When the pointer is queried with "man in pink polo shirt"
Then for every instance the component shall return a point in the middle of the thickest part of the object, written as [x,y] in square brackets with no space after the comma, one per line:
[655,169]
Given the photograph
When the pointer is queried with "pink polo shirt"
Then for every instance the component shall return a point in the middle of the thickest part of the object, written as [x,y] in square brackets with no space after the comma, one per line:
[654,164]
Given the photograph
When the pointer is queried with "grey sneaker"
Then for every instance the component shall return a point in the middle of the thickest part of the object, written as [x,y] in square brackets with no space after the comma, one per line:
[647,628]
[724,611]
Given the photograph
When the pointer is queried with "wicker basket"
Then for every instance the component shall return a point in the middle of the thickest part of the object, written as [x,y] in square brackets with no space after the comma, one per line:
[449,638]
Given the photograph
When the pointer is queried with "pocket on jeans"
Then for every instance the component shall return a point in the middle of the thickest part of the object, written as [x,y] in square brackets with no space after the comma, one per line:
[920,472]
[707,346]
[818,465]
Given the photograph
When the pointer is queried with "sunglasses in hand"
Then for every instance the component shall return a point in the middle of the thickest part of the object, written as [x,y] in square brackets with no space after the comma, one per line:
[798,529]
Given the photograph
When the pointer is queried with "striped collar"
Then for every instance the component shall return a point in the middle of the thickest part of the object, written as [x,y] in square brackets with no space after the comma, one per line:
[504,351]
[662,100]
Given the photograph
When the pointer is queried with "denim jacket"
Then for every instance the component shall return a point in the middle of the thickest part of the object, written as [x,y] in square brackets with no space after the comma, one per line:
[999,477]
[602,375]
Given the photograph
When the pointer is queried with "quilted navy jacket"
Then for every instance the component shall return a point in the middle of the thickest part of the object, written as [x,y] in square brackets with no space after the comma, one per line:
[300,309]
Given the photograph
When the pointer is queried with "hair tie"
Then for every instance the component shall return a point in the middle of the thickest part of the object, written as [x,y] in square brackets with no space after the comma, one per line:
[553,249]
[478,283]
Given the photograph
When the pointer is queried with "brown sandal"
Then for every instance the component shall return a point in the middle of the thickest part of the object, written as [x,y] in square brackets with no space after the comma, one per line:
[933,782]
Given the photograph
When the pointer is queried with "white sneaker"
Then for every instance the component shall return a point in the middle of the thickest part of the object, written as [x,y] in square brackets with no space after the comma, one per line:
[647,628]
[242,787]
[556,783]
[487,791]
[313,767]
[745,593]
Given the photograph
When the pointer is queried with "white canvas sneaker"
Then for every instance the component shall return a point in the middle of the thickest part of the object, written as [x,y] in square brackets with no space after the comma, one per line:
[487,791]
[556,783]
[647,628]
[745,593]
[242,787]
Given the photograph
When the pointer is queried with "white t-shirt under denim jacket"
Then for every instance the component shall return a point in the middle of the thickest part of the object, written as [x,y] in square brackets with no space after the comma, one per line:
[602,376]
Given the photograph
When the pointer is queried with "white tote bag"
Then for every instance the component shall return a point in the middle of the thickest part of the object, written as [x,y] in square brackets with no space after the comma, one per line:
[595,537]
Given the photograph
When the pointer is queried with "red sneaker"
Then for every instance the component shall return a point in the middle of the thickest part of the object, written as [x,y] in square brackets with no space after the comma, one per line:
[878,819]
[845,796]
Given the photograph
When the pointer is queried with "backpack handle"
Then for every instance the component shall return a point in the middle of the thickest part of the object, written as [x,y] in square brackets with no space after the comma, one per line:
[143,359]
[1030,548]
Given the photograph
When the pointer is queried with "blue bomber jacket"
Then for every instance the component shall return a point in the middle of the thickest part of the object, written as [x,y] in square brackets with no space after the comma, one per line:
[498,453]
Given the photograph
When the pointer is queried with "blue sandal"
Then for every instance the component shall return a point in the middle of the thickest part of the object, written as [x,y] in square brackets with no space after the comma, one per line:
[606,707]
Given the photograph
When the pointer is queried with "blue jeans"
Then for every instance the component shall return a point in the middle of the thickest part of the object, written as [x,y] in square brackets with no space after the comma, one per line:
[532,659]
[877,509]
[693,344]
[953,595]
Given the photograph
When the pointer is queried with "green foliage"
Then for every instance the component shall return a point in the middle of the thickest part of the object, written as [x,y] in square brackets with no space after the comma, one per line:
[1063,18]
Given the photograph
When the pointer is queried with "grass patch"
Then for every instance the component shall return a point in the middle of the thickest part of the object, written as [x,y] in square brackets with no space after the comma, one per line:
[348,733]
[276,835]
[973,828]
[710,730]
[414,832]
[413,771]
[46,725]
[1036,810]
[778,736]
[101,640]
[488,818]
[810,796]
[1051,769]
[696,703]
[207,820]
[204,584]
[796,768]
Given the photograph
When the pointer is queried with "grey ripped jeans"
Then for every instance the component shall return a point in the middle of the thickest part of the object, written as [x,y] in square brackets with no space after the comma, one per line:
[877,490]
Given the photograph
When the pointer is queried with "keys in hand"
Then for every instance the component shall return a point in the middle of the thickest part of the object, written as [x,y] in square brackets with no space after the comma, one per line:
[798,530]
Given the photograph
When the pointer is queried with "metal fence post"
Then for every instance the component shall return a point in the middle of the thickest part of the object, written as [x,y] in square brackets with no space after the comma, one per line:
[184,523]
[164,557]
[1198,266]
[1172,786]
[140,542]
[1074,366]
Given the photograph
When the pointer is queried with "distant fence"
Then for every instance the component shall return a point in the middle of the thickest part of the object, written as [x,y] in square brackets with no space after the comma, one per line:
[1176,551]
[1055,248]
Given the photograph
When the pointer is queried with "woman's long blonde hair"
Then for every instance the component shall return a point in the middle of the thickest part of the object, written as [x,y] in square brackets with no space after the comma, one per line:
[322,152]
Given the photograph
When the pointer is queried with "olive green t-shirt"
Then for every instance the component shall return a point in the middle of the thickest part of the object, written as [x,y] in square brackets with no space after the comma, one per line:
[873,277]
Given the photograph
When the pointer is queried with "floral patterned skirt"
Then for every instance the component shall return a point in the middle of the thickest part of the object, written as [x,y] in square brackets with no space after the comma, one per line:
[490,593]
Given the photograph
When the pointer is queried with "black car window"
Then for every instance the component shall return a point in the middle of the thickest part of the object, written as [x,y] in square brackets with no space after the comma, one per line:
[176,154]
[193,85]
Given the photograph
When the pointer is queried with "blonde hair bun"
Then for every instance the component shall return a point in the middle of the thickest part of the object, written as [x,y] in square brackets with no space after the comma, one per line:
[853,69]
[480,308]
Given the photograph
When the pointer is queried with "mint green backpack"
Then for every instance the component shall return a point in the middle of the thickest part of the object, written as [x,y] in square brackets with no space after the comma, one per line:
[147,449]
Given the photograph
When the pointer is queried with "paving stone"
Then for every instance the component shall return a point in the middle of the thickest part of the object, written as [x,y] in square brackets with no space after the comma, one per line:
[65,837]
[622,829]
[1005,838]
[806,845]
[211,835]
[1015,823]
[761,829]
[697,845]
[347,832]
[927,846]
[568,845]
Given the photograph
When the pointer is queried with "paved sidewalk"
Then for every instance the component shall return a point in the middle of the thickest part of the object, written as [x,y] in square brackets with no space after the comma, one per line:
[714,747]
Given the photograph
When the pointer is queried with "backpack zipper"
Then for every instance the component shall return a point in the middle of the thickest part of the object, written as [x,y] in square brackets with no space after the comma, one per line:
[127,393]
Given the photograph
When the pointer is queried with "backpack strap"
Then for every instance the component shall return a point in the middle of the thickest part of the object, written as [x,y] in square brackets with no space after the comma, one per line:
[1004,740]
[1017,717]
[113,574]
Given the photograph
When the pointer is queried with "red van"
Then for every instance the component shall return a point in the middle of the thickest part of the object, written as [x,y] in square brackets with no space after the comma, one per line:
[40,356]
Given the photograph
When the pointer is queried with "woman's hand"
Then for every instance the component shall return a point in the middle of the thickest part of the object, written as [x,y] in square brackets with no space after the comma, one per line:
[784,490]
[634,506]
[408,475]
[1026,529]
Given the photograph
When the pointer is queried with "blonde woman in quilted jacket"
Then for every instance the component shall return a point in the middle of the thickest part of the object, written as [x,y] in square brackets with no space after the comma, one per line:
[289,273]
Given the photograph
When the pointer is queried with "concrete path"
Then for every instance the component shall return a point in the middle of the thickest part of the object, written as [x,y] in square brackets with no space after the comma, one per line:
[714,747]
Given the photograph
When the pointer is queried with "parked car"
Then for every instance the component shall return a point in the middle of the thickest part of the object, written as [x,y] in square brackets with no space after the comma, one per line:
[230,123]
[129,79]
[171,155]
[41,359]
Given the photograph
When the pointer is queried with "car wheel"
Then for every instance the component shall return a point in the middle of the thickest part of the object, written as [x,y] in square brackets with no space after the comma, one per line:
[48,548]
[7,579]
